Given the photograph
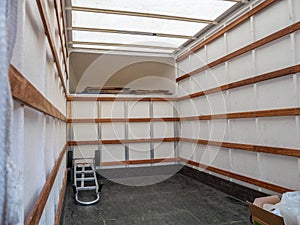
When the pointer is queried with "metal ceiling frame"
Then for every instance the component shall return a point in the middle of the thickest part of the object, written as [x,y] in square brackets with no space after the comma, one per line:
[91,29]
[121,45]
[140,14]
[120,51]
[210,23]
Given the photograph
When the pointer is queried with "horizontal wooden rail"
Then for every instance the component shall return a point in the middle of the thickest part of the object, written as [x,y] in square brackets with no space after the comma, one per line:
[61,36]
[64,25]
[51,42]
[259,183]
[123,120]
[235,115]
[103,99]
[135,162]
[61,199]
[279,34]
[251,114]
[23,91]
[246,147]
[229,27]
[38,208]
[123,141]
[267,76]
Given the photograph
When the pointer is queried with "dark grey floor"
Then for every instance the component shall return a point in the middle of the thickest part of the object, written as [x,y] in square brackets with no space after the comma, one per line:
[178,200]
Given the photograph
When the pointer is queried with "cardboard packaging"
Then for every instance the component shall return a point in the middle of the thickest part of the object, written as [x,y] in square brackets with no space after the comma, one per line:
[261,216]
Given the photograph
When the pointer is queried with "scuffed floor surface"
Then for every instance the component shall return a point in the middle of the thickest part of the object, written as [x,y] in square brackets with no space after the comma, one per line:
[178,200]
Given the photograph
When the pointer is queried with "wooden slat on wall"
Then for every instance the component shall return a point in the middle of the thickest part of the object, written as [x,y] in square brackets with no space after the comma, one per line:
[267,76]
[235,115]
[136,162]
[123,120]
[246,147]
[123,141]
[279,34]
[61,199]
[38,208]
[251,114]
[111,99]
[64,25]
[229,27]
[51,42]
[259,183]
[24,91]
[56,7]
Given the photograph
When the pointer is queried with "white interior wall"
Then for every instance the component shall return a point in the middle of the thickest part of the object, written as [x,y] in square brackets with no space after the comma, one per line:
[114,131]
[38,139]
[276,93]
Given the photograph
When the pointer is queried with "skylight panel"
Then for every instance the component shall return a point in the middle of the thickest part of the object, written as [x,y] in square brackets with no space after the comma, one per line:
[132,23]
[202,9]
[84,36]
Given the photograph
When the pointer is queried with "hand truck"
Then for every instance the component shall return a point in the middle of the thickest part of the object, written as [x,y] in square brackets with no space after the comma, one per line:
[85,180]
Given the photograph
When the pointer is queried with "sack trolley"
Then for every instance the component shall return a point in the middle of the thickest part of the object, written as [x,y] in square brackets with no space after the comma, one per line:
[85,181]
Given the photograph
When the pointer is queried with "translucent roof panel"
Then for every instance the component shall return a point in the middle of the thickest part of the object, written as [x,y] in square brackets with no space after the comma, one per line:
[143,24]
[202,9]
[85,36]
[134,23]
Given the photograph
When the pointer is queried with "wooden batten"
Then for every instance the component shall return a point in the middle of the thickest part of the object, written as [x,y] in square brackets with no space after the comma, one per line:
[229,27]
[123,120]
[64,26]
[247,147]
[251,114]
[123,141]
[38,208]
[51,42]
[108,99]
[259,183]
[61,36]
[23,91]
[267,76]
[279,34]
[61,199]
[136,162]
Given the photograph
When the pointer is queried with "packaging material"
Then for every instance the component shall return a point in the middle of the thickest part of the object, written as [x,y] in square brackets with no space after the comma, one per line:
[261,216]
[271,211]
[289,208]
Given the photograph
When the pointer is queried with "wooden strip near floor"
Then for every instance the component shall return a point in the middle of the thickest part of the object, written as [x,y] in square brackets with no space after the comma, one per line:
[251,114]
[123,120]
[267,76]
[279,34]
[227,28]
[143,161]
[61,199]
[247,147]
[259,183]
[51,42]
[111,99]
[23,91]
[38,208]
[61,37]
[109,142]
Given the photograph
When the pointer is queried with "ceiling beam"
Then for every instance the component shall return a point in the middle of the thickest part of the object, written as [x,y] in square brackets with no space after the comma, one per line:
[121,45]
[90,29]
[81,49]
[140,14]
[240,1]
